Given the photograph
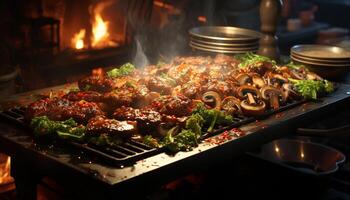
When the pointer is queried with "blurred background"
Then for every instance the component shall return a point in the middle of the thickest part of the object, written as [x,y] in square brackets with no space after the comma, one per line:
[51,42]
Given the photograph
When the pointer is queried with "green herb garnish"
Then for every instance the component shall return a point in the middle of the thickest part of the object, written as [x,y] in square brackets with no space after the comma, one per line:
[123,70]
[310,89]
[253,60]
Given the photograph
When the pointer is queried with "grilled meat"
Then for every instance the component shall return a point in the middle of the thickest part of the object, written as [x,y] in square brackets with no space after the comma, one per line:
[147,119]
[101,125]
[127,95]
[62,109]
[161,85]
[96,83]
[90,96]
[179,105]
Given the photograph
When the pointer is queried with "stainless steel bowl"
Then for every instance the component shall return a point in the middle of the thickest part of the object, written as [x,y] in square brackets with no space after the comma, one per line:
[306,157]
[224,33]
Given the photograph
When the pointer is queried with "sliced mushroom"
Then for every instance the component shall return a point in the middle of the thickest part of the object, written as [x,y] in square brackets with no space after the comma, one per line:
[278,80]
[231,105]
[213,99]
[243,79]
[258,81]
[243,90]
[273,95]
[251,107]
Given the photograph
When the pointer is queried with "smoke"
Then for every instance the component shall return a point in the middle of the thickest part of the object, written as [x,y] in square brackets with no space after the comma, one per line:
[161,42]
[140,59]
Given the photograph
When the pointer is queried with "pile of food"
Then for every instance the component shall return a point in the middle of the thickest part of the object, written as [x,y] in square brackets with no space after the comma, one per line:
[172,104]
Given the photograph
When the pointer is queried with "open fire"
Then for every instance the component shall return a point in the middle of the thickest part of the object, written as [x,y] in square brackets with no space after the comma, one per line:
[100,32]
[5,163]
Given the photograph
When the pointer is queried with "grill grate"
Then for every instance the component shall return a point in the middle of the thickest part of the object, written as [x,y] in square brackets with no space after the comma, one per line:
[131,151]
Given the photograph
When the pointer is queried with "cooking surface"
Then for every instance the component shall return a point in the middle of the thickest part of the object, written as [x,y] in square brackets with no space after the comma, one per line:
[15,141]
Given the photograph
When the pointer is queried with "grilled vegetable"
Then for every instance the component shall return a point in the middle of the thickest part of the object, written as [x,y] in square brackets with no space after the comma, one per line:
[151,141]
[44,126]
[195,124]
[184,141]
[251,60]
[212,117]
[124,70]
[310,89]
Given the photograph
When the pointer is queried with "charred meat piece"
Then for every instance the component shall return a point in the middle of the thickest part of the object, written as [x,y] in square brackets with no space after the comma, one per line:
[147,119]
[62,109]
[124,96]
[90,96]
[224,88]
[161,84]
[191,89]
[96,83]
[179,105]
[101,125]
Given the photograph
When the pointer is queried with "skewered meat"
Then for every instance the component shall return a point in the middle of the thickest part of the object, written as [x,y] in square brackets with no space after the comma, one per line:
[96,83]
[121,129]
[62,109]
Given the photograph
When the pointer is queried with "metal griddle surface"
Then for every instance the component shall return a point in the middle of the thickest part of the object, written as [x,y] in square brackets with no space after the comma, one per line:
[16,142]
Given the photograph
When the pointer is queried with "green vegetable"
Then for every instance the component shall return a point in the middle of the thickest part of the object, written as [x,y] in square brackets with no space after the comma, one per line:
[150,141]
[75,133]
[212,117]
[309,89]
[168,79]
[124,70]
[253,60]
[292,65]
[44,126]
[184,141]
[195,124]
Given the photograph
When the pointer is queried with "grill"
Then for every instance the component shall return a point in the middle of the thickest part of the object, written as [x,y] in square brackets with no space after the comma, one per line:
[130,151]
[100,178]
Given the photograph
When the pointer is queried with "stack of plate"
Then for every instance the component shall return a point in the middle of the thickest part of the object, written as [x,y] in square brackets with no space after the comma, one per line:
[329,61]
[223,39]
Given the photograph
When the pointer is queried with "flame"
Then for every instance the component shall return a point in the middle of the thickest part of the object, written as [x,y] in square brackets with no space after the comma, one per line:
[5,171]
[99,31]
[78,39]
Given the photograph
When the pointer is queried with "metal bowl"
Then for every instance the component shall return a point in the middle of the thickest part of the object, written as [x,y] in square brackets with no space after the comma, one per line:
[323,52]
[306,157]
[224,33]
[328,71]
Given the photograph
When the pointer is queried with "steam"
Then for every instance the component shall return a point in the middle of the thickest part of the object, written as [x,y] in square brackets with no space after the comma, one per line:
[162,42]
[140,58]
